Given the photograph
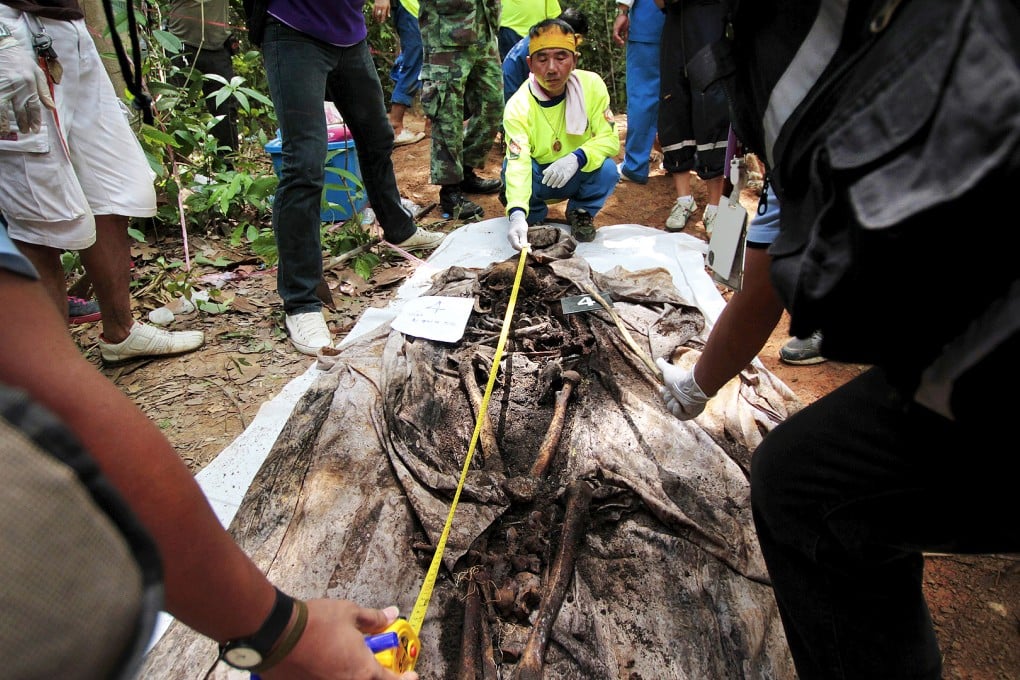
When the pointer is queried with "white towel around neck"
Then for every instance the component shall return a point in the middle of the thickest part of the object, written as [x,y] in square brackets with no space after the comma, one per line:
[577,116]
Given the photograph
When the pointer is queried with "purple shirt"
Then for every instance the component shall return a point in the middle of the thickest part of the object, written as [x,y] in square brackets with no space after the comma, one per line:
[338,22]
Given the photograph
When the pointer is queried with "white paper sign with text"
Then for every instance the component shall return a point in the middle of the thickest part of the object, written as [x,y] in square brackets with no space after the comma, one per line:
[434,317]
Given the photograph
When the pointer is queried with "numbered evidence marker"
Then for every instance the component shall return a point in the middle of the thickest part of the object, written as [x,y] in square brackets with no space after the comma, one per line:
[584,303]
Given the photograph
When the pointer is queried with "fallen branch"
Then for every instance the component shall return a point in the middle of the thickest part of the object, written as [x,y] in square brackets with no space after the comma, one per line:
[340,260]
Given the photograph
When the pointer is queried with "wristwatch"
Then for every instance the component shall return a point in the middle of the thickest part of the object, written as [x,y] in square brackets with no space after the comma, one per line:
[249,652]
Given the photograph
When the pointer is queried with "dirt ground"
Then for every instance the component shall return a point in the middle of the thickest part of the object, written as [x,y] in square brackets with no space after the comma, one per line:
[204,400]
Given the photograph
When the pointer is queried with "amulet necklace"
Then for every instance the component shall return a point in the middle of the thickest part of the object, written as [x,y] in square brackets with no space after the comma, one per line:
[554,129]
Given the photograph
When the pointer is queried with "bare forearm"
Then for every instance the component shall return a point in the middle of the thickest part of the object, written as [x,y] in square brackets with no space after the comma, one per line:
[210,583]
[743,327]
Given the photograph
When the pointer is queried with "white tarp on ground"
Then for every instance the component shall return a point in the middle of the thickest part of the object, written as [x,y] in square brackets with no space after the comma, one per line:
[631,247]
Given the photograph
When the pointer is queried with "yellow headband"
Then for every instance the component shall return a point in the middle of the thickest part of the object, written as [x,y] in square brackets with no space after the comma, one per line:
[553,38]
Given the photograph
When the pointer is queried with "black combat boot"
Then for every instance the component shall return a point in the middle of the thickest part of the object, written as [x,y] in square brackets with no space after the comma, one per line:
[473,184]
[454,206]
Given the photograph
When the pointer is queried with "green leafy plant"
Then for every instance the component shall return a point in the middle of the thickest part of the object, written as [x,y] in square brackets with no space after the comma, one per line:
[260,240]
[341,181]
[175,281]
[338,239]
[221,193]
[70,260]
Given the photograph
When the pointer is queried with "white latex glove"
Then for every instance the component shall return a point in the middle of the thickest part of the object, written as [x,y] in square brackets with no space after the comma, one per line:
[681,393]
[518,234]
[560,171]
[23,88]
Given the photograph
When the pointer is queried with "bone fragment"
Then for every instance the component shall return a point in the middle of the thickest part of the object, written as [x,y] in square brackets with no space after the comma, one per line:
[470,652]
[490,671]
[552,436]
[536,329]
[579,495]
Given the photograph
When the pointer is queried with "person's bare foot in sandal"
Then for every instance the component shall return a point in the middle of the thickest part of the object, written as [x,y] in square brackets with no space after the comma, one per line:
[402,135]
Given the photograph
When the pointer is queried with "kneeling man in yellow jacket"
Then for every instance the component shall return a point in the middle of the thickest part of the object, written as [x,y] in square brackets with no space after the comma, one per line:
[561,138]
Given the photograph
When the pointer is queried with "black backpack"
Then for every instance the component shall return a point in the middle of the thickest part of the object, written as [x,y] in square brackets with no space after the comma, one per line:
[885,126]
[255,13]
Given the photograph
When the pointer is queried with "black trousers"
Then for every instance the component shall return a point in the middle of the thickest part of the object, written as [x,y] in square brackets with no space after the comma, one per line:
[693,124]
[848,494]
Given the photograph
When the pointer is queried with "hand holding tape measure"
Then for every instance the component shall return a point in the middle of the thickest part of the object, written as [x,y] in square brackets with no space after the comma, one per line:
[396,648]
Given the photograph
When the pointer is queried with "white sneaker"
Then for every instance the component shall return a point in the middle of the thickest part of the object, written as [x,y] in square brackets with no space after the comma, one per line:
[422,239]
[407,137]
[308,332]
[619,170]
[681,212]
[149,341]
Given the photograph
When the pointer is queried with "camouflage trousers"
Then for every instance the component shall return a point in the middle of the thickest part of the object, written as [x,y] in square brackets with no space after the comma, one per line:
[459,85]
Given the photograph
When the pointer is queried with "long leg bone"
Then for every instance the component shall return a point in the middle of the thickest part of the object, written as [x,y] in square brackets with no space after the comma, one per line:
[578,500]
[493,458]
[552,437]
[489,669]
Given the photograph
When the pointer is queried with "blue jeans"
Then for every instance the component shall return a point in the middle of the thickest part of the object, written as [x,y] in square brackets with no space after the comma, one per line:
[642,108]
[506,38]
[302,73]
[407,66]
[585,190]
[846,495]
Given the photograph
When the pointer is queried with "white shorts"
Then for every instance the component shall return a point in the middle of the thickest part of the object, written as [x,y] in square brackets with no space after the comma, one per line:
[48,195]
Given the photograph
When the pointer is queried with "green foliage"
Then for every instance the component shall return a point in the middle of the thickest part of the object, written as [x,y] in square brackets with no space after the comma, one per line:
[341,181]
[221,193]
[70,260]
[176,282]
[598,51]
[261,242]
[341,238]
[344,237]
[179,147]
[385,46]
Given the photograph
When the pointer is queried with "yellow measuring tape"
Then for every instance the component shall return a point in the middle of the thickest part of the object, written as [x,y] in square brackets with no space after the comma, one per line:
[404,651]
